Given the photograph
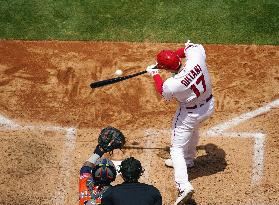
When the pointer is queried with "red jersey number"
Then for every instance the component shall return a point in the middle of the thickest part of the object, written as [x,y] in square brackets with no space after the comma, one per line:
[194,87]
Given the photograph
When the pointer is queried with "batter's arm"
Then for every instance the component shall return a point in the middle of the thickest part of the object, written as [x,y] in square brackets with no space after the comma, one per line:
[158,83]
[180,52]
[154,72]
[162,88]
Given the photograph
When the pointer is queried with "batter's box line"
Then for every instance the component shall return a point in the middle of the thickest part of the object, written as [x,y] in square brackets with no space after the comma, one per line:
[69,145]
[221,129]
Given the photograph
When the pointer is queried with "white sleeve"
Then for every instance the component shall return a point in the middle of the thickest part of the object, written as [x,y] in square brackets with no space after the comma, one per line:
[167,93]
[192,51]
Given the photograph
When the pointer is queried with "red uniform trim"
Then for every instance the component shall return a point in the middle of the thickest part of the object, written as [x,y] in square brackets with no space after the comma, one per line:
[158,83]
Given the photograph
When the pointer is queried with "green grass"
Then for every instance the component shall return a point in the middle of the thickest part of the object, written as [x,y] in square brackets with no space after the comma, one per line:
[206,21]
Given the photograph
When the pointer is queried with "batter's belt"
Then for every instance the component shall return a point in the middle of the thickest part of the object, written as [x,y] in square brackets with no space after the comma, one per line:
[196,106]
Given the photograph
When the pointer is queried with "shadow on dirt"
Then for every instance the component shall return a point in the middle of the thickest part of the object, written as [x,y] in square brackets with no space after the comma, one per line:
[213,162]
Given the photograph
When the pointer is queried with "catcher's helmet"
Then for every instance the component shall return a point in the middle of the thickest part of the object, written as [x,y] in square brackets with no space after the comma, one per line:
[168,60]
[104,172]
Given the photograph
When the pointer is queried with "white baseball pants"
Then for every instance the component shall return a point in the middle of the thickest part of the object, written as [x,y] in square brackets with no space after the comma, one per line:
[185,137]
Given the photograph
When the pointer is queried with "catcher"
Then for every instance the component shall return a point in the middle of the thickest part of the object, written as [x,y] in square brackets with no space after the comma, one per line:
[97,174]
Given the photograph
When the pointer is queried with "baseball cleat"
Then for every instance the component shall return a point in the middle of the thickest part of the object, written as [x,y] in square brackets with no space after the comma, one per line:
[168,163]
[184,196]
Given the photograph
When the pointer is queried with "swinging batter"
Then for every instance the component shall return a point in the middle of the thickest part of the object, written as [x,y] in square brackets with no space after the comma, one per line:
[190,85]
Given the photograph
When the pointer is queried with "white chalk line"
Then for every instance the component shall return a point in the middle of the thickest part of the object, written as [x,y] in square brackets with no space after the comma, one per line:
[68,148]
[157,132]
[218,130]
[7,123]
[66,162]
[148,154]
[148,157]
[259,138]
[221,130]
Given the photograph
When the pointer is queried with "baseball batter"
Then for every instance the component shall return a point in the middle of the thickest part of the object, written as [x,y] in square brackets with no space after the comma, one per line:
[190,85]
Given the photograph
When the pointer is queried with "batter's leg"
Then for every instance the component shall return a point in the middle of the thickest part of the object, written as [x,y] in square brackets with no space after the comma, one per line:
[190,151]
[182,130]
[179,141]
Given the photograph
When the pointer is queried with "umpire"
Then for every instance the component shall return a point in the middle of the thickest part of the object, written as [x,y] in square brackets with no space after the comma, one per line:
[131,191]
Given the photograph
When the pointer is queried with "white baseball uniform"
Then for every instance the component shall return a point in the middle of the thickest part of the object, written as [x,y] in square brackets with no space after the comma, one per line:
[191,87]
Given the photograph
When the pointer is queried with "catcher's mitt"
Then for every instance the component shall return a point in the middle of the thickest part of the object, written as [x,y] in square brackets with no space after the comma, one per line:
[111,138]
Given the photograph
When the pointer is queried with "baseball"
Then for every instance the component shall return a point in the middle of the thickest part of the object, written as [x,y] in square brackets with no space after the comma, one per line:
[118,72]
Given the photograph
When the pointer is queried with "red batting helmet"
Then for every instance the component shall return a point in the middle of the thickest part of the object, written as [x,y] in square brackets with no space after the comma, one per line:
[168,60]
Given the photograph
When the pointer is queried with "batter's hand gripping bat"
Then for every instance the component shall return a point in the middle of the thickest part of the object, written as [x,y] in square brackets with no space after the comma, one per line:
[115,80]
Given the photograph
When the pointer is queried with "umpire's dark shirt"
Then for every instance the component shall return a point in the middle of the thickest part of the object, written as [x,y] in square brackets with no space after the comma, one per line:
[132,194]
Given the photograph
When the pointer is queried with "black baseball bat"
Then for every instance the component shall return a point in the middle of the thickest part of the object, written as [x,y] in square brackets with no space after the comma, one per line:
[115,80]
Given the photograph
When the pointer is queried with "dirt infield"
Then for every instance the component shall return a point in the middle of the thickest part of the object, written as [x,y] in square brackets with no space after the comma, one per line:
[50,120]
